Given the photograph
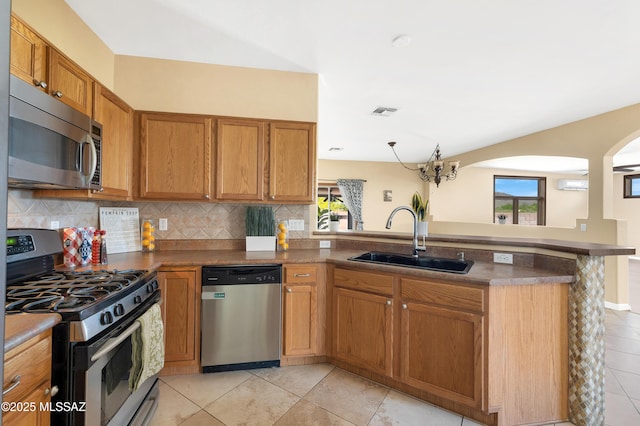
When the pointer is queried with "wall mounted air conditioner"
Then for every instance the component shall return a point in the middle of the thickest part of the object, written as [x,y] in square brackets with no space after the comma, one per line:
[573,184]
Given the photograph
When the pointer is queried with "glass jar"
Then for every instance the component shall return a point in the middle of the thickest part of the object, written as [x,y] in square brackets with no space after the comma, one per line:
[282,234]
[147,237]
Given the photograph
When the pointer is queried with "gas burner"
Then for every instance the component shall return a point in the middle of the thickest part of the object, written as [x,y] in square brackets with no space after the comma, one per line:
[69,291]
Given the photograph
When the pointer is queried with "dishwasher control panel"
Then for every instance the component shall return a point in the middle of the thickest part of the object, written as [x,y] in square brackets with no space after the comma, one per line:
[241,274]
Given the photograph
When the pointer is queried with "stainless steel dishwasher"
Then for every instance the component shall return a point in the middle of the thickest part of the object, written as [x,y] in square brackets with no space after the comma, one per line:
[241,317]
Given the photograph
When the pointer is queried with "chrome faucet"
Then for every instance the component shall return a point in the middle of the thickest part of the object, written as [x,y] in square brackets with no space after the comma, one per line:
[416,247]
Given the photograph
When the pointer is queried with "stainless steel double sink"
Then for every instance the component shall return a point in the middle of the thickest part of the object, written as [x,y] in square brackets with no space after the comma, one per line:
[440,264]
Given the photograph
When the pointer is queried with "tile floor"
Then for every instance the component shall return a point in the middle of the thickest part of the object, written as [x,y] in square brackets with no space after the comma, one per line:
[325,395]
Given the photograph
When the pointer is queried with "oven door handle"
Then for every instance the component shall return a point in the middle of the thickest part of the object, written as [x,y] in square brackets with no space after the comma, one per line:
[113,343]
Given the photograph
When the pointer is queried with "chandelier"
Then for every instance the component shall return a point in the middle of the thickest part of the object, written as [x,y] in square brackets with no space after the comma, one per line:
[433,170]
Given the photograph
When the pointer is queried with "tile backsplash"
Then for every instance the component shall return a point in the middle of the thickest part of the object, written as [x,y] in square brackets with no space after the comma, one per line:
[185,220]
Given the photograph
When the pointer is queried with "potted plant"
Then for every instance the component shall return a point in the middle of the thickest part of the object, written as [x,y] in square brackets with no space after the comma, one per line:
[260,226]
[334,224]
[421,208]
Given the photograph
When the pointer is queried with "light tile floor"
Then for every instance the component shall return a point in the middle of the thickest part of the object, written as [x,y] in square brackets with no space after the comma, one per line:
[325,395]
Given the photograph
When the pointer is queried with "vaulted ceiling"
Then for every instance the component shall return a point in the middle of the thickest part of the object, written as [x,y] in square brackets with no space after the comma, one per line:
[468,73]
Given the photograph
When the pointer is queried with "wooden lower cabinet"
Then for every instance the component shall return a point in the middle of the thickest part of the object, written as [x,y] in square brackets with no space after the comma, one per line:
[303,292]
[442,352]
[363,329]
[180,308]
[497,354]
[31,361]
[300,319]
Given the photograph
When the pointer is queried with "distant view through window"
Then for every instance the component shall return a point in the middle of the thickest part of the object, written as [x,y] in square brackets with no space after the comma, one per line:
[632,186]
[519,200]
[331,208]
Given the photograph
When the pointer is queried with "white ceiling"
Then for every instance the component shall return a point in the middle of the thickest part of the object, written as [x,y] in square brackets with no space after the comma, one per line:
[475,72]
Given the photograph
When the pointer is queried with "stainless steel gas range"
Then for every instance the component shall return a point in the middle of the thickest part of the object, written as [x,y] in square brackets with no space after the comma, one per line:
[93,345]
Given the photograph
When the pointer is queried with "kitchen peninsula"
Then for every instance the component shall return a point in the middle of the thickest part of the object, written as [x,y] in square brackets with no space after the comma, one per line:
[503,328]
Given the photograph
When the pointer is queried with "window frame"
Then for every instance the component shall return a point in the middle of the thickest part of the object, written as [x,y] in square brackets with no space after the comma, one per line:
[540,198]
[329,186]
[628,185]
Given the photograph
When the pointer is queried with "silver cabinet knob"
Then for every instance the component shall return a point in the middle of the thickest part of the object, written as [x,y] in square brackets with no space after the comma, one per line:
[272,197]
[53,391]
[388,302]
[207,197]
[289,290]
[404,306]
[40,83]
[57,94]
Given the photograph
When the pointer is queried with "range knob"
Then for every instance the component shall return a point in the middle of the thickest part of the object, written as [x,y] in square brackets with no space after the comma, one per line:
[106,318]
[118,310]
[137,299]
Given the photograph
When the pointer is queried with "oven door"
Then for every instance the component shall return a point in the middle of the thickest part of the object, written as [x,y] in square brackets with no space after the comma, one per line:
[106,380]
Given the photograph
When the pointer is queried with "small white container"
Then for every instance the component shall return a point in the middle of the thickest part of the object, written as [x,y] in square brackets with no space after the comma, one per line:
[261,243]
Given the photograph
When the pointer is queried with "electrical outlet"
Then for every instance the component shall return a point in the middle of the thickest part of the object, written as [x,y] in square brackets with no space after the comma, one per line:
[296,225]
[163,224]
[503,258]
[55,224]
[583,227]
[325,244]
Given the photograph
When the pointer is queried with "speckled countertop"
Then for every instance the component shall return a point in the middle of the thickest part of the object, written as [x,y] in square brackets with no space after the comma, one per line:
[486,273]
[18,328]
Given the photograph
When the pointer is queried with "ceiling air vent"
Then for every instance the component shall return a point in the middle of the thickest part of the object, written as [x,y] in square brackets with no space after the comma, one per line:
[383,111]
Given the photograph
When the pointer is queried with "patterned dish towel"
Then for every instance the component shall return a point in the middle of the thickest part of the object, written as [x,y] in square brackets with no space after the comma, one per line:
[148,347]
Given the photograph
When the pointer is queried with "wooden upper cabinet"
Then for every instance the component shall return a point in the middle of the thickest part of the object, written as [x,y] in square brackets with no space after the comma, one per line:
[240,159]
[116,118]
[175,155]
[28,55]
[292,159]
[70,83]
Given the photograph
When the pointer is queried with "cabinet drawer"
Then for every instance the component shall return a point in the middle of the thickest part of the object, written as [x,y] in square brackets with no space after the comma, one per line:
[300,274]
[450,295]
[366,281]
[32,364]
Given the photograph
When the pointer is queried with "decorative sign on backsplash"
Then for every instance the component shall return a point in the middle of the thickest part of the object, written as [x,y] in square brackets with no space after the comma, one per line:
[123,228]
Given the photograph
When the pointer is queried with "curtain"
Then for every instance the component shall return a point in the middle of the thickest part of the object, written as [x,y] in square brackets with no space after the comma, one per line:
[351,190]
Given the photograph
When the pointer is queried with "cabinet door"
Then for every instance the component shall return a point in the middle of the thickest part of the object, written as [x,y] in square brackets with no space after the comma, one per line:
[300,319]
[240,160]
[292,159]
[39,397]
[362,330]
[176,157]
[69,83]
[442,352]
[116,118]
[179,312]
[28,55]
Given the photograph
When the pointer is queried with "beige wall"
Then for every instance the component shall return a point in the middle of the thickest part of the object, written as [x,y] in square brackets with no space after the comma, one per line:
[469,198]
[627,209]
[379,177]
[60,25]
[176,86]
[597,139]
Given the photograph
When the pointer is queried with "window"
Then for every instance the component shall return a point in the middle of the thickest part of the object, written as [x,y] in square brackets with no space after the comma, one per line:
[519,200]
[331,206]
[632,186]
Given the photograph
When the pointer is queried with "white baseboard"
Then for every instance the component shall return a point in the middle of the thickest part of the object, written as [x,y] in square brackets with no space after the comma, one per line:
[617,306]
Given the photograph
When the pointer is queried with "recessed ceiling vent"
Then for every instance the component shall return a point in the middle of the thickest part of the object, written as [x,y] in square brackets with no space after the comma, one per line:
[384,111]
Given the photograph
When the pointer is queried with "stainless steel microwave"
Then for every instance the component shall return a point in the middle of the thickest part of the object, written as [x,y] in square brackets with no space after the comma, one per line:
[51,145]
